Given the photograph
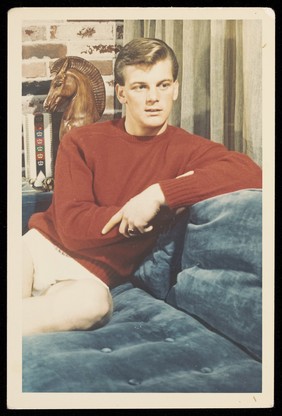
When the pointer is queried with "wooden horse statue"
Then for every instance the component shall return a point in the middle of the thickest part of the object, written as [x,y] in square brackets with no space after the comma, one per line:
[79,88]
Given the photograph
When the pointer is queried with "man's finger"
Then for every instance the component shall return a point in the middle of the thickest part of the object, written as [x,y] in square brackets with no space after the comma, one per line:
[180,210]
[148,229]
[116,219]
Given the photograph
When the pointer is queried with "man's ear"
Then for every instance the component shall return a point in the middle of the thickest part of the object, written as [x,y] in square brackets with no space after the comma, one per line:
[120,93]
[176,89]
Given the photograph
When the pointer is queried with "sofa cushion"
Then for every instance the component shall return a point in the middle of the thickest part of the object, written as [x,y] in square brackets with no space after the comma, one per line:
[159,269]
[148,346]
[220,282]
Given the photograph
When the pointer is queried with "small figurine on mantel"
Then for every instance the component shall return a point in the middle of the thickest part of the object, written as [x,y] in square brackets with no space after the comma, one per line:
[79,88]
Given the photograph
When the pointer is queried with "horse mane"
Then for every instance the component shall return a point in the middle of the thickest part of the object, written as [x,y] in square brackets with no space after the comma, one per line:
[91,72]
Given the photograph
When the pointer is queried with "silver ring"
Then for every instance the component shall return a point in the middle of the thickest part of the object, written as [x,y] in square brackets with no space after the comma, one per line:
[131,232]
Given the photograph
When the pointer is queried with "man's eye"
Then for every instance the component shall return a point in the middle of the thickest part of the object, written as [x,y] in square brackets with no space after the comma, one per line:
[140,87]
[164,85]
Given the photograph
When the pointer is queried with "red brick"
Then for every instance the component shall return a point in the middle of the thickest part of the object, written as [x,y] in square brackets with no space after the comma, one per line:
[34,70]
[82,30]
[32,33]
[110,102]
[105,48]
[32,104]
[105,67]
[40,51]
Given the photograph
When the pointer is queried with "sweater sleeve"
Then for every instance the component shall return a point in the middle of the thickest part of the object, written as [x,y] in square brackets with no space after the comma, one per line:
[216,171]
[77,216]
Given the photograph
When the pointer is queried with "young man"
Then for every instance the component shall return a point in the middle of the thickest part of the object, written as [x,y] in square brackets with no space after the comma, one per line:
[113,181]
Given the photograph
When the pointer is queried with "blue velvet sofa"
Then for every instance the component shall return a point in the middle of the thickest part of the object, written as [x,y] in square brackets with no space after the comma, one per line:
[189,321]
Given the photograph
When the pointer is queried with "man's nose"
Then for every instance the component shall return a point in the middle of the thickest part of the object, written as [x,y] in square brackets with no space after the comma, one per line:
[152,95]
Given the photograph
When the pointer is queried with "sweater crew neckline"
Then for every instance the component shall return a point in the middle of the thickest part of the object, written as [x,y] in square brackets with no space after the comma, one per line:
[120,124]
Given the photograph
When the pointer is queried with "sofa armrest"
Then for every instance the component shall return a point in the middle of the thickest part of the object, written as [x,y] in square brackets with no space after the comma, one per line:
[221,278]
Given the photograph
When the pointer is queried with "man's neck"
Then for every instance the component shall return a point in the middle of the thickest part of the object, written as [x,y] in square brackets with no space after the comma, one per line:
[149,131]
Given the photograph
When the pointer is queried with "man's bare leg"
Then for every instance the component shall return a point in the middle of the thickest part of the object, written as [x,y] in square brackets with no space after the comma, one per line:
[67,305]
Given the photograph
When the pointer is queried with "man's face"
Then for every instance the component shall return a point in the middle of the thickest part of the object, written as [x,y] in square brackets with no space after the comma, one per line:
[148,94]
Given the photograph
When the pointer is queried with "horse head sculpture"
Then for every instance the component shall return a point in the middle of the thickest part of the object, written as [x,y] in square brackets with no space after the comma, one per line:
[78,87]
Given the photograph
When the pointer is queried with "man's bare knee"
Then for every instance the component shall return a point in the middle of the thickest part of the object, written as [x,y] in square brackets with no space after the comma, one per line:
[70,305]
[95,304]
[108,310]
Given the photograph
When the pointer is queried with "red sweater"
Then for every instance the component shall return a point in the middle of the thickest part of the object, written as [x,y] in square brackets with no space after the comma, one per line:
[99,167]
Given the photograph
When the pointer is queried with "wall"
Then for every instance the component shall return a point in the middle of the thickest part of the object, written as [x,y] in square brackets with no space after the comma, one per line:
[43,43]
[95,41]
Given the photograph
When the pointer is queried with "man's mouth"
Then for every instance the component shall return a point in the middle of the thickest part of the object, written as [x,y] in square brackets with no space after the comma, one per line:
[152,110]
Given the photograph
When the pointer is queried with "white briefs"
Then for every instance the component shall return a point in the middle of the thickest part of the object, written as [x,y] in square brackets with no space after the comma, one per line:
[51,264]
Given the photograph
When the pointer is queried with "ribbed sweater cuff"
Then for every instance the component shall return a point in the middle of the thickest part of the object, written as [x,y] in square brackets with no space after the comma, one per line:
[176,192]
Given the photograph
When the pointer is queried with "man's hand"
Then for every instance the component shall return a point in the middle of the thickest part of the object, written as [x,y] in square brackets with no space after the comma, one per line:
[135,216]
[137,213]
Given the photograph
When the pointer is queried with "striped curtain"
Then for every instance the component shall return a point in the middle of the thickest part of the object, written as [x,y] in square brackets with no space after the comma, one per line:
[220,77]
